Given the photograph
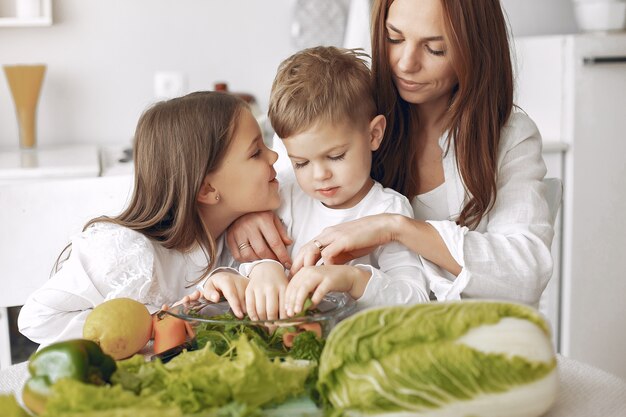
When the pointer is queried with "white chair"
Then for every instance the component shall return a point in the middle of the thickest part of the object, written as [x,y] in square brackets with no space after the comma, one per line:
[554,195]
[549,303]
[37,221]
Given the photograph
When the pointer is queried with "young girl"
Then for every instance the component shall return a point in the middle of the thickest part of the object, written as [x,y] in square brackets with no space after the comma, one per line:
[200,163]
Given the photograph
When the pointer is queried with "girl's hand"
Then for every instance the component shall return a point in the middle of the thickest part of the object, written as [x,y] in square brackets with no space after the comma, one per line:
[319,281]
[265,295]
[265,235]
[194,296]
[232,286]
[346,241]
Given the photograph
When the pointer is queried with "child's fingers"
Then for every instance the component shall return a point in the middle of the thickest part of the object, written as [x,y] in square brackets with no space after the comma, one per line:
[282,312]
[242,286]
[194,296]
[271,305]
[251,304]
[290,295]
[210,292]
[260,306]
[320,292]
[301,296]
[231,295]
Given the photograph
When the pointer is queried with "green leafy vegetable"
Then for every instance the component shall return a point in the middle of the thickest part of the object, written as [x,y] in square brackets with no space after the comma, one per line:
[221,336]
[307,346]
[10,407]
[198,382]
[456,358]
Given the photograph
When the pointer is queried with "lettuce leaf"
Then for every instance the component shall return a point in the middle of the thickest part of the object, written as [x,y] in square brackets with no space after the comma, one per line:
[194,383]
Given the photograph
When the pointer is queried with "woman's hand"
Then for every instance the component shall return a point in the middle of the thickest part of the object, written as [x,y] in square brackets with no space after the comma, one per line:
[319,281]
[256,236]
[344,242]
[265,295]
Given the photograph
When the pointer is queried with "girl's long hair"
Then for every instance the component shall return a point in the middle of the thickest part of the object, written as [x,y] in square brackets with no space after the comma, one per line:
[176,144]
[481,103]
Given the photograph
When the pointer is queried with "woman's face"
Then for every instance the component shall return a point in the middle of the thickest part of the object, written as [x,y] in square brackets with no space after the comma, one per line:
[246,180]
[418,53]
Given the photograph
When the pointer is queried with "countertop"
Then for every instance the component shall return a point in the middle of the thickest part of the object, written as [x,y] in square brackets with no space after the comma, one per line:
[49,162]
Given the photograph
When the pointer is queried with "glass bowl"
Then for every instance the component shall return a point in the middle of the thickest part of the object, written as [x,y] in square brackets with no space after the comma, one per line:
[215,322]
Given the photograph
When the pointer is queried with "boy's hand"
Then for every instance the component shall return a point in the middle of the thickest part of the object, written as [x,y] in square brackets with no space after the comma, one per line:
[232,286]
[265,295]
[319,281]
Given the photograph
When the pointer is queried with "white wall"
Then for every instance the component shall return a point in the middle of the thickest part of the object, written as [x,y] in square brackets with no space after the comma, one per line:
[540,17]
[102,55]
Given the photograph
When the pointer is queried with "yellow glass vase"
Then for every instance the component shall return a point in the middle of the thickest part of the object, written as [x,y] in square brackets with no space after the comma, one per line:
[25,84]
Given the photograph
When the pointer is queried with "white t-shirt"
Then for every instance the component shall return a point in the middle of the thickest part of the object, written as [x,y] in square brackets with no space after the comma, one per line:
[110,261]
[397,273]
[508,255]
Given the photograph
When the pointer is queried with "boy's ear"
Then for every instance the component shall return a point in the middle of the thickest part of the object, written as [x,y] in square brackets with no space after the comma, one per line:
[207,194]
[377,131]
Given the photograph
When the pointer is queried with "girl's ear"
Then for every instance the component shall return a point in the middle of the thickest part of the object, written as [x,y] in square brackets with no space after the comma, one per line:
[208,194]
[377,131]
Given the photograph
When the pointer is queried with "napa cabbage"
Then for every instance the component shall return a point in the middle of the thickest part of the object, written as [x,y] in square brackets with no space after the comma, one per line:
[468,358]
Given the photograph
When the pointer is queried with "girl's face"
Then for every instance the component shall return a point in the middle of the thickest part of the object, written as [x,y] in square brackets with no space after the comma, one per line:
[246,181]
[418,52]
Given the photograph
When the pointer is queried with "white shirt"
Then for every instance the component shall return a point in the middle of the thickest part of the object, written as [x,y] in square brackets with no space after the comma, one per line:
[508,255]
[109,261]
[397,273]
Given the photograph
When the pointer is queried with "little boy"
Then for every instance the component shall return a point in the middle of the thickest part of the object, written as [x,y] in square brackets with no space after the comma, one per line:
[322,107]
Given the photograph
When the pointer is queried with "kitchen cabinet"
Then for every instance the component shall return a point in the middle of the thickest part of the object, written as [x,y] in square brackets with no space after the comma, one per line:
[43,203]
[574,88]
[45,19]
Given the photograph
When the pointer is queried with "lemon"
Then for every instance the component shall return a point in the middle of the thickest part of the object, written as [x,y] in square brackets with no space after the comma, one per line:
[121,327]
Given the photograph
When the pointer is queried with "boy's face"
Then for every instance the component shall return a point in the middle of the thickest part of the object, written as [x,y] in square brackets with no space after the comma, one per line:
[332,162]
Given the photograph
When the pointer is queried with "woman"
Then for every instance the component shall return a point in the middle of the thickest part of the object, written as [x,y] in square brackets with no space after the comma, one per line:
[470,164]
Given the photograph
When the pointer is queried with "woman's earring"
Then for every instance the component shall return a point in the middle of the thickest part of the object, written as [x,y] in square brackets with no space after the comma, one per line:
[217,197]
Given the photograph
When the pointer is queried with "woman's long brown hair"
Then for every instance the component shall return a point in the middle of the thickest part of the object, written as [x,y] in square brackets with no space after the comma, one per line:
[481,103]
[176,144]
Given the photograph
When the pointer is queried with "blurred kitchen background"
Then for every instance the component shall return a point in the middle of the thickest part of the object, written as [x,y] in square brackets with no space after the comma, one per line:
[108,60]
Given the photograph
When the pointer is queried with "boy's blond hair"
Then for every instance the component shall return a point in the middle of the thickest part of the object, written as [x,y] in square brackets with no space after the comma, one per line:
[324,84]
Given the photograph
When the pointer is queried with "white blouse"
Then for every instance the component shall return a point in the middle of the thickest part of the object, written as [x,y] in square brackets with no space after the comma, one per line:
[110,261]
[508,255]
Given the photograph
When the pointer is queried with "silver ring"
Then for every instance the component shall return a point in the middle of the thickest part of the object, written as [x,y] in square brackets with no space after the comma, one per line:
[244,245]
[319,245]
